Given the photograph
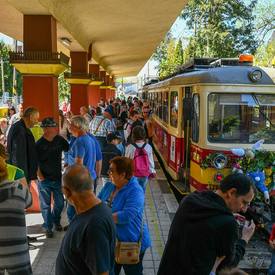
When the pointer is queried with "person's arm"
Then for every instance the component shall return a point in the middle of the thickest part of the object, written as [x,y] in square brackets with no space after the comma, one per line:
[130,151]
[98,152]
[18,155]
[151,159]
[98,167]
[232,246]
[80,152]
[40,175]
[131,208]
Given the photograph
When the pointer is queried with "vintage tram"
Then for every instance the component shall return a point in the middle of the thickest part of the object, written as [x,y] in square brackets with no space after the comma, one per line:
[201,114]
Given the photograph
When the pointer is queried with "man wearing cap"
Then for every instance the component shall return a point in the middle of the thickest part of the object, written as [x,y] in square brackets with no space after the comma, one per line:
[109,151]
[101,125]
[49,151]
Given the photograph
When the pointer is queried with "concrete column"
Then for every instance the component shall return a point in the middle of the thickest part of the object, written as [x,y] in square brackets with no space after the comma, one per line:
[79,90]
[40,91]
[103,94]
[94,90]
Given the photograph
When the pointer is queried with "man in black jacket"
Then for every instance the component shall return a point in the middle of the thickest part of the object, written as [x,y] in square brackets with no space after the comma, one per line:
[204,229]
[21,144]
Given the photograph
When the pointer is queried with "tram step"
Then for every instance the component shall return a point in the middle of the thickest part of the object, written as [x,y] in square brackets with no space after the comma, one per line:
[181,188]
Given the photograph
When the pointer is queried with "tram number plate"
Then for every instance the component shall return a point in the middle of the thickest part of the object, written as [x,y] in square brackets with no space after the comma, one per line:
[213,187]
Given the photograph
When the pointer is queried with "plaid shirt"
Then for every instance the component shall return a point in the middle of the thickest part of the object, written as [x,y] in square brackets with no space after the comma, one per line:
[106,126]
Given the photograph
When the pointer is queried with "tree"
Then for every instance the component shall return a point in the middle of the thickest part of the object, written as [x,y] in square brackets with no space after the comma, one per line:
[221,28]
[265,55]
[64,91]
[169,55]
[178,57]
[8,72]
[265,18]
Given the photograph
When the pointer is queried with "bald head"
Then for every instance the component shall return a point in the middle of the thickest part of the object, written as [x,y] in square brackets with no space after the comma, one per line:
[77,178]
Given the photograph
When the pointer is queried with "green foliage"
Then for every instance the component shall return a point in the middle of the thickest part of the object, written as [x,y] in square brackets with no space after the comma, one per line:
[221,28]
[169,55]
[265,55]
[8,72]
[64,91]
[265,20]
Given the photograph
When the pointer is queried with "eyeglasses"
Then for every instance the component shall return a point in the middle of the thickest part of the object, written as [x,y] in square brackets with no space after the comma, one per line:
[111,171]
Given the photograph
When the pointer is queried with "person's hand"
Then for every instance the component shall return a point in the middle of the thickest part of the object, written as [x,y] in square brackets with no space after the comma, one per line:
[152,176]
[217,263]
[272,244]
[248,231]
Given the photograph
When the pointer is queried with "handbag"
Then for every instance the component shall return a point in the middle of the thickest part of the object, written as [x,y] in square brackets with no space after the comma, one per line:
[128,252]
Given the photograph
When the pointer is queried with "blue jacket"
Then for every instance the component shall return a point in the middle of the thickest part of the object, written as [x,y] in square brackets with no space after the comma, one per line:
[129,206]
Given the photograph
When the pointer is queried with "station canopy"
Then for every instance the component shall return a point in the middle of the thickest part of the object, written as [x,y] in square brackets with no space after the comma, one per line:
[123,33]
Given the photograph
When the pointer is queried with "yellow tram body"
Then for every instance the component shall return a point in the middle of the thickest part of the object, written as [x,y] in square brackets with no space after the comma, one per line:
[224,97]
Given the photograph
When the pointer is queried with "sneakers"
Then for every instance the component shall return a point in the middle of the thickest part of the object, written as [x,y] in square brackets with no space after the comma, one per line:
[58,227]
[49,233]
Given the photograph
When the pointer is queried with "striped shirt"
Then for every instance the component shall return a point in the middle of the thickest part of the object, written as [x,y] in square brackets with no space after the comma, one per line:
[100,126]
[14,250]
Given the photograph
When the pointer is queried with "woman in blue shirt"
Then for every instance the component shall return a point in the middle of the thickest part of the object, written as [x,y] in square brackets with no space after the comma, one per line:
[126,198]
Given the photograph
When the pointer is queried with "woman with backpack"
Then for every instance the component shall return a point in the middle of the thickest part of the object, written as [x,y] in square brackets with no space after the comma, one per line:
[142,155]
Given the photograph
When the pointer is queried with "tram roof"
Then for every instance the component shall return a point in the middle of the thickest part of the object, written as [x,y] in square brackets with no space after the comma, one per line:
[220,75]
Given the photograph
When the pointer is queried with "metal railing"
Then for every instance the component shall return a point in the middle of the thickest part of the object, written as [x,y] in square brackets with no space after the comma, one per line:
[39,57]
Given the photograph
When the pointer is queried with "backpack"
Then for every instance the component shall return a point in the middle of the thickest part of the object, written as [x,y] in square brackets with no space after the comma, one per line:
[141,161]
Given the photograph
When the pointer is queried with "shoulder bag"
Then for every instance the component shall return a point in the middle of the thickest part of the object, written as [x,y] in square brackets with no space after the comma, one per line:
[128,252]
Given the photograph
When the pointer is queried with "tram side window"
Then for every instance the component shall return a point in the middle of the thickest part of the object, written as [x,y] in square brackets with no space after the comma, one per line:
[153,98]
[195,124]
[160,105]
[165,107]
[174,105]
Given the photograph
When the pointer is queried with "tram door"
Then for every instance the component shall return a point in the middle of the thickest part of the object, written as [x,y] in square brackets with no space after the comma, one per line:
[186,126]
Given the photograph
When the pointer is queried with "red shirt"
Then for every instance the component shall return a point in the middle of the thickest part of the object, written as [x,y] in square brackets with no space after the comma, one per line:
[272,235]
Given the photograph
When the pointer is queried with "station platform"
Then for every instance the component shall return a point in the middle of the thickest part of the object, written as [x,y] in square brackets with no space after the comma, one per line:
[160,208]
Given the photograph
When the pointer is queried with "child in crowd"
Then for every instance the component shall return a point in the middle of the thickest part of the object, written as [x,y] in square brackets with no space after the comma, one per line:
[142,154]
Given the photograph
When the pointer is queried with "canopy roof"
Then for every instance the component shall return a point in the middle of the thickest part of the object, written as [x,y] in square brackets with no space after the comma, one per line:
[123,33]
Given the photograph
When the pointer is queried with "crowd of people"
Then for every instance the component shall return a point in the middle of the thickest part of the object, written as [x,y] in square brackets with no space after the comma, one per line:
[111,144]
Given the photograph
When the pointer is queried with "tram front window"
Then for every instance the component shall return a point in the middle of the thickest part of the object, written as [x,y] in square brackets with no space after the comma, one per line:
[241,118]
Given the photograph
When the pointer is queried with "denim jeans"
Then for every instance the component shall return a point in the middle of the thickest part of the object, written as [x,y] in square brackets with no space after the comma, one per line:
[131,269]
[47,188]
[143,182]
[271,270]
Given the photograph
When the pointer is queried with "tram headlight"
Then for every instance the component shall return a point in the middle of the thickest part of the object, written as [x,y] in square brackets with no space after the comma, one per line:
[219,161]
[255,75]
[218,177]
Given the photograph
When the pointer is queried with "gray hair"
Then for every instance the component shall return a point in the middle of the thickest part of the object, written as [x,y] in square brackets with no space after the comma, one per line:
[77,178]
[80,122]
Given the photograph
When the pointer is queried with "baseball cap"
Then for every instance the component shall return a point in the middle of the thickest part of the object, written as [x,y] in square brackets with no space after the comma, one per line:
[48,122]
[109,110]
[111,136]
